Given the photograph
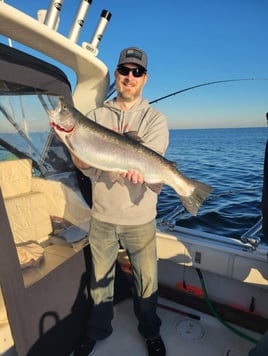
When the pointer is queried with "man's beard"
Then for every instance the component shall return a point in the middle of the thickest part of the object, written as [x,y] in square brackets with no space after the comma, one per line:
[127,95]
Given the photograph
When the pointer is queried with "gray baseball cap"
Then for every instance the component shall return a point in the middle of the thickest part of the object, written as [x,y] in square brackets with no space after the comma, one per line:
[133,55]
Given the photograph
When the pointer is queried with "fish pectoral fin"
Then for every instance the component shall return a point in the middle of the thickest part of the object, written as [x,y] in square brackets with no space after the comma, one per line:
[155,187]
[116,177]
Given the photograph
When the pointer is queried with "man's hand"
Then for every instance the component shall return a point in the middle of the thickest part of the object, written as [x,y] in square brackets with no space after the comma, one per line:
[133,176]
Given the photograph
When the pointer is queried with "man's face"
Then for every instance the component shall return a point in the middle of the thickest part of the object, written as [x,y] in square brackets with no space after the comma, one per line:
[128,86]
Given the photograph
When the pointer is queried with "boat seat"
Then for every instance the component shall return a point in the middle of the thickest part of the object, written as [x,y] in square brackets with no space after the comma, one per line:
[37,207]
[31,204]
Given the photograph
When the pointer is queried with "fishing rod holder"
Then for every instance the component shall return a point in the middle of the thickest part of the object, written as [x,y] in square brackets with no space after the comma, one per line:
[250,235]
[169,220]
[92,46]
[52,16]
[79,20]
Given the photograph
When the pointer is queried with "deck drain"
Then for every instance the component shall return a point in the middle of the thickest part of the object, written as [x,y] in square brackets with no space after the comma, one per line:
[190,329]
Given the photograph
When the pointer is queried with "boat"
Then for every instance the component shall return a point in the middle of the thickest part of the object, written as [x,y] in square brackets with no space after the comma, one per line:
[213,290]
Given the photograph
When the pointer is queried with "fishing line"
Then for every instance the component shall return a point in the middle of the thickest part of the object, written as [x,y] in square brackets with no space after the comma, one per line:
[232,192]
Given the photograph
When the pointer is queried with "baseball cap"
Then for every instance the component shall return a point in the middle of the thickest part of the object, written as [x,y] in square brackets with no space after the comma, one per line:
[133,55]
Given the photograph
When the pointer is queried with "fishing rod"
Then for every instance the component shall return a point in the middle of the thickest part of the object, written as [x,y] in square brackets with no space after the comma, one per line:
[112,88]
[201,85]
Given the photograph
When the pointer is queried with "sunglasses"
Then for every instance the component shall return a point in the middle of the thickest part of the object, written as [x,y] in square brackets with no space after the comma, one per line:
[136,72]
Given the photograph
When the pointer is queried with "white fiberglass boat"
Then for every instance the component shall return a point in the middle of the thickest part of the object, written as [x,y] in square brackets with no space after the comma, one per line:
[213,289]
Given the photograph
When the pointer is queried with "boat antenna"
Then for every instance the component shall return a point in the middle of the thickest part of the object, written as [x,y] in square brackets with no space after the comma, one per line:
[52,15]
[79,20]
[201,85]
[92,46]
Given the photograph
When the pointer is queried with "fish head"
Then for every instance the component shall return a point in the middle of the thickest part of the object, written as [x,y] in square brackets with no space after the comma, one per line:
[61,118]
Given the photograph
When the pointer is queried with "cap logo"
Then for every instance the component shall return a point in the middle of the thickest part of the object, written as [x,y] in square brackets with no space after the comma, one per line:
[134,53]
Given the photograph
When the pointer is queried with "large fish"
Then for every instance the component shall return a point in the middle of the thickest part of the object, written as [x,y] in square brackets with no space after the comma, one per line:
[107,150]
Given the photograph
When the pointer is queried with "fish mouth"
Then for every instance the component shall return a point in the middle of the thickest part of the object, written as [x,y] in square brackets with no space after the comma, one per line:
[60,128]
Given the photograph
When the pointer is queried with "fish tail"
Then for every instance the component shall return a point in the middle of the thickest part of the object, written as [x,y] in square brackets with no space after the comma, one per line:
[193,202]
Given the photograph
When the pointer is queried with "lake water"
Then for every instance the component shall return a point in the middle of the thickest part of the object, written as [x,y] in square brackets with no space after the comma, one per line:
[231,161]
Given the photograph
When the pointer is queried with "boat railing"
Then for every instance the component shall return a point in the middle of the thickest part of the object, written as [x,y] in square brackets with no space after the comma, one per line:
[250,239]
[250,236]
[169,220]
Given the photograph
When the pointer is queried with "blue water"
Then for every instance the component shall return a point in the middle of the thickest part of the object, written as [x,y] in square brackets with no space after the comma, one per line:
[231,161]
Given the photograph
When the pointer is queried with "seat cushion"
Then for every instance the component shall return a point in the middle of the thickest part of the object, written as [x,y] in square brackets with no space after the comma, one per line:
[28,217]
[15,177]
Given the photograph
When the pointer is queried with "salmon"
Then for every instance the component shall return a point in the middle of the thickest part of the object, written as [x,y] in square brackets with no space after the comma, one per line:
[110,151]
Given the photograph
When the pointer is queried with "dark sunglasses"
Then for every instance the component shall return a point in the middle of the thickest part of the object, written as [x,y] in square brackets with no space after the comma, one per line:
[136,72]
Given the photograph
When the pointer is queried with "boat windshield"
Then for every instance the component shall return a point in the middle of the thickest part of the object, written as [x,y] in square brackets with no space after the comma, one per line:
[25,131]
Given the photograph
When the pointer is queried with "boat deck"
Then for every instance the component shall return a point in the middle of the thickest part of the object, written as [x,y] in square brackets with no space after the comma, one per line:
[182,334]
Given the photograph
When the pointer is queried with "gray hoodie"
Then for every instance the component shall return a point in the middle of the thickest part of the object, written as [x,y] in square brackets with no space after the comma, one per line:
[127,203]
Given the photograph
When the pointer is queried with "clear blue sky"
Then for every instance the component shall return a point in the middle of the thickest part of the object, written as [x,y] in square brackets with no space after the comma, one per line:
[188,42]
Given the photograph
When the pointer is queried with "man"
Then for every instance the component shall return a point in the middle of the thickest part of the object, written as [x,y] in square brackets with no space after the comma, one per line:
[124,210]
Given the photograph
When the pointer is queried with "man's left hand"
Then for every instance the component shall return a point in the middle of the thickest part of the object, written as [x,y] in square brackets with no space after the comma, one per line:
[133,176]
